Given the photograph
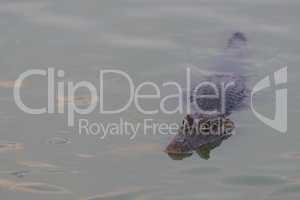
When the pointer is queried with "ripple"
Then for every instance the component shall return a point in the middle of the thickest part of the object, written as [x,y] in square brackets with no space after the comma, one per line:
[11,84]
[59,140]
[77,100]
[248,180]
[20,174]
[16,173]
[294,179]
[10,146]
[42,188]
[135,150]
[206,196]
[32,187]
[6,184]
[128,194]
[291,155]
[290,189]
[85,156]
[36,164]
[202,170]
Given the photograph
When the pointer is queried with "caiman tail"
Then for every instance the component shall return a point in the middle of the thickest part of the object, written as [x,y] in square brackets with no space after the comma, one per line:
[234,57]
[237,40]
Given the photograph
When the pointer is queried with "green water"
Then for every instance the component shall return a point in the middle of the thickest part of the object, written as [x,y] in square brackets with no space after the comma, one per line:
[152,40]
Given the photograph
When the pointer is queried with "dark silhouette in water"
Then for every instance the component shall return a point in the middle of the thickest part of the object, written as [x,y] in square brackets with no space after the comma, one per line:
[190,139]
[229,82]
[236,40]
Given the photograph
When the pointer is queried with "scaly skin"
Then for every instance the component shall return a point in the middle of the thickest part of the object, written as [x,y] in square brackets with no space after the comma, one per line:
[228,81]
[201,135]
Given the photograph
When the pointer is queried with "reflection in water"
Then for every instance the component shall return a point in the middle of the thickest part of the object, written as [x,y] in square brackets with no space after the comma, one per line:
[203,170]
[135,150]
[39,165]
[35,164]
[124,194]
[20,174]
[59,140]
[32,187]
[10,146]
[255,180]
[180,156]
[83,155]
[6,184]
[291,155]
[292,189]
[43,188]
[77,100]
[190,139]
[11,84]
[294,179]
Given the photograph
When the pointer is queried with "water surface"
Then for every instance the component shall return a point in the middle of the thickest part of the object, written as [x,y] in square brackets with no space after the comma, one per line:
[151,40]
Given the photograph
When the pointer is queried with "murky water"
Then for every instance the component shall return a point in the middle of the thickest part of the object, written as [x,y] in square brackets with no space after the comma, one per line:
[151,40]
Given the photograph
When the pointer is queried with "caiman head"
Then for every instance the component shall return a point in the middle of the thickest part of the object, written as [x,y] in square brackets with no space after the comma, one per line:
[195,134]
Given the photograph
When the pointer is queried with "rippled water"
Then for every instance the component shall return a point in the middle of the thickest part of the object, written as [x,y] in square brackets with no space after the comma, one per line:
[152,40]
